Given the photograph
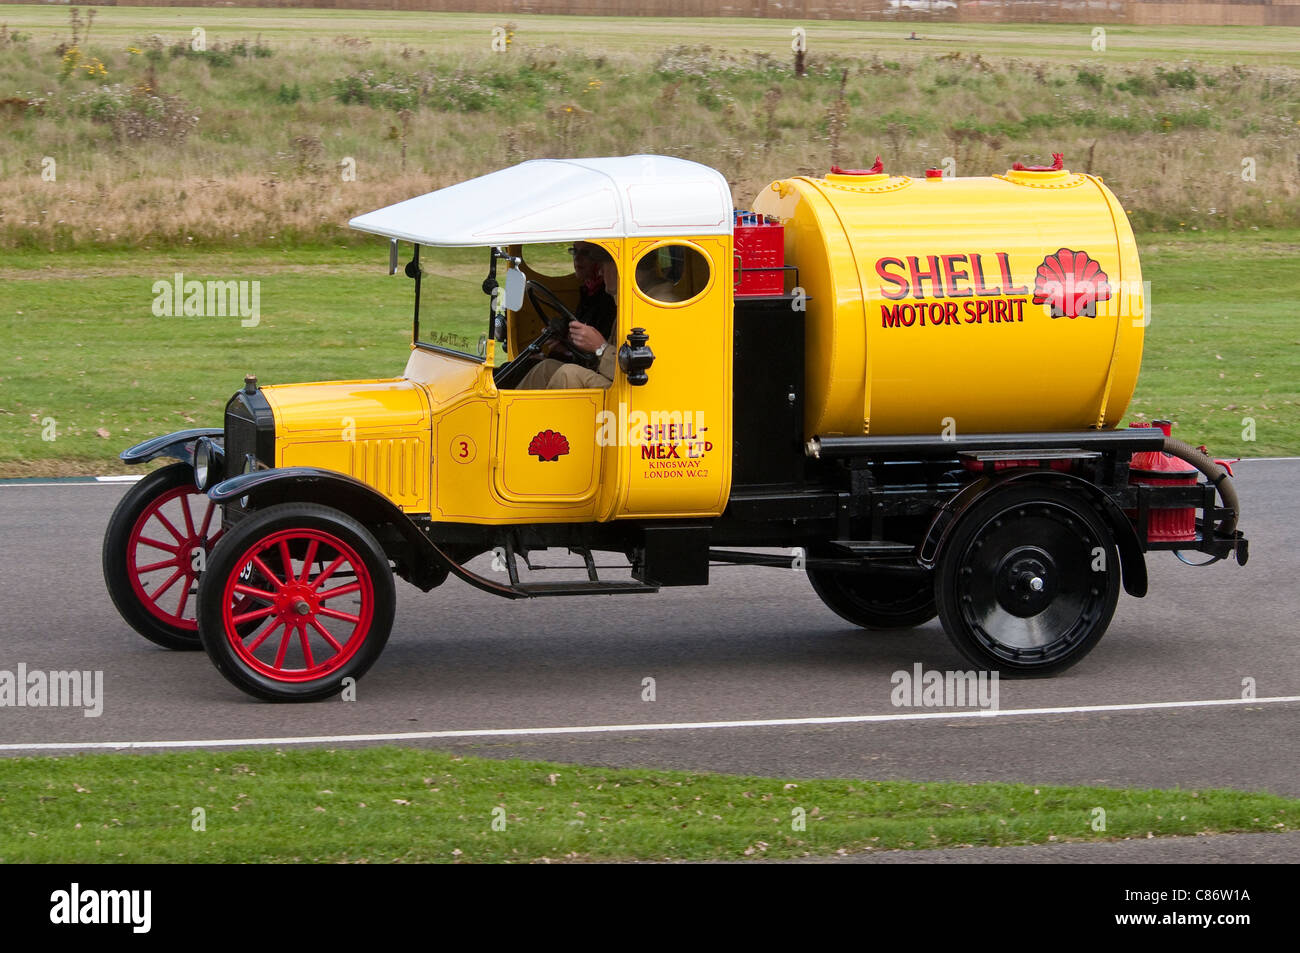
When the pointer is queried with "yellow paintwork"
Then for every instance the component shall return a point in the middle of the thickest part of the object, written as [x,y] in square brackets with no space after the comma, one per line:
[376,431]
[1035,373]
[443,440]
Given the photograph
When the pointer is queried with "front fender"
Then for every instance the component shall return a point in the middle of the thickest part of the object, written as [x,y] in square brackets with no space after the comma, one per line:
[1132,563]
[179,445]
[420,560]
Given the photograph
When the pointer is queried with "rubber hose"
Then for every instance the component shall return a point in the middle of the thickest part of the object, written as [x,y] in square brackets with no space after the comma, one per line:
[1215,474]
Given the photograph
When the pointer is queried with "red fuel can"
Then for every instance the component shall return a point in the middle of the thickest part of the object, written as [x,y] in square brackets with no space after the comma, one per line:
[1157,468]
[760,255]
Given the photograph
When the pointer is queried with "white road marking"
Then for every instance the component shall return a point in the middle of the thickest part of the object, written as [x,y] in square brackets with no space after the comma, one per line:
[629,729]
[87,481]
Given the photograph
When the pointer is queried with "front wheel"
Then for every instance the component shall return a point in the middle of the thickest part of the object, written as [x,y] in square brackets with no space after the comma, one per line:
[1028,582]
[157,542]
[297,598]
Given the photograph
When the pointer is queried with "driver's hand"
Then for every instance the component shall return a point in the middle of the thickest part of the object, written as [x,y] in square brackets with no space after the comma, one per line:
[584,336]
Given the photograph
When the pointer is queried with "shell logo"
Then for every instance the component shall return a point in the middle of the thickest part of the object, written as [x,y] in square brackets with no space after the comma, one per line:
[549,445]
[1072,283]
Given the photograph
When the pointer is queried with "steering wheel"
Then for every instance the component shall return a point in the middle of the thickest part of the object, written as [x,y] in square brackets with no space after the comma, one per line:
[557,317]
[557,323]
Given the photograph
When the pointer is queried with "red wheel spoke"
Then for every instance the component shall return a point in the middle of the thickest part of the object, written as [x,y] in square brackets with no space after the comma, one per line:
[152,567]
[244,590]
[306,647]
[265,570]
[335,614]
[280,644]
[171,548]
[167,523]
[207,519]
[167,585]
[255,614]
[262,638]
[185,597]
[189,518]
[340,591]
[328,571]
[325,634]
[287,561]
[284,645]
[309,559]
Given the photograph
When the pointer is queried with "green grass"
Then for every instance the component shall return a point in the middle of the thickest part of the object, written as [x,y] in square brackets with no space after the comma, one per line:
[1222,352]
[409,805]
[88,352]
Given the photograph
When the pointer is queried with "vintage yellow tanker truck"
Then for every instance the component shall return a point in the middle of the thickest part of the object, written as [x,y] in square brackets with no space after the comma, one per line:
[911,388]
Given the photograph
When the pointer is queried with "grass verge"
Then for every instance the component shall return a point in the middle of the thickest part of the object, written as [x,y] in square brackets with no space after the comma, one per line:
[381,805]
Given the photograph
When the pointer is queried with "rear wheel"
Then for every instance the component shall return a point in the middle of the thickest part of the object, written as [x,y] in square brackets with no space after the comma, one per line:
[296,598]
[155,550]
[1028,581]
[877,600]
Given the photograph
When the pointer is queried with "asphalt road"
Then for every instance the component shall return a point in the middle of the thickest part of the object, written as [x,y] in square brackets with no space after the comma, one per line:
[756,645]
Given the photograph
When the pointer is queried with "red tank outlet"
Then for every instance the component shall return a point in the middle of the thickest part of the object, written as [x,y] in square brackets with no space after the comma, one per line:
[1157,468]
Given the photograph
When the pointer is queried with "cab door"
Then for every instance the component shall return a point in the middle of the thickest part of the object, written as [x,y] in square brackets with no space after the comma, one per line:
[546,449]
[676,451]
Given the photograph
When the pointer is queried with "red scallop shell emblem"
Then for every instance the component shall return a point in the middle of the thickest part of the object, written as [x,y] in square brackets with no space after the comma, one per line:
[1072,283]
[549,446]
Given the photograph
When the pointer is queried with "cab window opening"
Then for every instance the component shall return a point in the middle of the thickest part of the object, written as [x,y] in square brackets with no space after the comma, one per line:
[672,273]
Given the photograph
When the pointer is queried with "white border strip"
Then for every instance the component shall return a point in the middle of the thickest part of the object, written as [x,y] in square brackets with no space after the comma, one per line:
[116,480]
[629,729]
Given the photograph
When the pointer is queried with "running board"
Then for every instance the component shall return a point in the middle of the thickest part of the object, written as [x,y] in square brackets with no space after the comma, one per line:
[875,548]
[591,586]
[581,588]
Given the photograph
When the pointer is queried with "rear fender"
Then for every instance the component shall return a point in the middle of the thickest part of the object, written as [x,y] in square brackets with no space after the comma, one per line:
[1132,562]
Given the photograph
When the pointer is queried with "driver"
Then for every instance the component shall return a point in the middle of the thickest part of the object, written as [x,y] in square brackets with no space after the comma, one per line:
[595,311]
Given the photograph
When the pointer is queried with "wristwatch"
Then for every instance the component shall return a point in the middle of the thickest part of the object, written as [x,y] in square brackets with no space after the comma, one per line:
[601,350]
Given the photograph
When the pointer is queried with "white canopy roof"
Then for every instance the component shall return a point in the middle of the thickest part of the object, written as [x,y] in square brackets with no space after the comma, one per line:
[547,200]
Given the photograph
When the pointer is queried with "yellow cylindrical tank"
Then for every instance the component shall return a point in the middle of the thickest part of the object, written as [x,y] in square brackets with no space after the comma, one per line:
[999,303]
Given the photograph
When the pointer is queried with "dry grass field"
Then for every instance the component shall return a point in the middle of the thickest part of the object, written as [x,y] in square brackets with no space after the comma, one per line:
[117,132]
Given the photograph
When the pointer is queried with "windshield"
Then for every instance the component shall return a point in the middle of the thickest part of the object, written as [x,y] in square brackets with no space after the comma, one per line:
[452,310]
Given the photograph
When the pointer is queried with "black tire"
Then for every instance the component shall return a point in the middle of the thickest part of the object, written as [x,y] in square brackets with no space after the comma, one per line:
[877,600]
[244,656]
[993,609]
[137,514]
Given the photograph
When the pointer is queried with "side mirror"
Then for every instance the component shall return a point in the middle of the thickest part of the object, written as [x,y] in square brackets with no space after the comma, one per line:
[515,282]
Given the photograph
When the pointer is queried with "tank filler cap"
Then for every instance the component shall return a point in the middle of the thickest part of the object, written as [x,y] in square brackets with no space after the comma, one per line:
[876,173]
[1054,176]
